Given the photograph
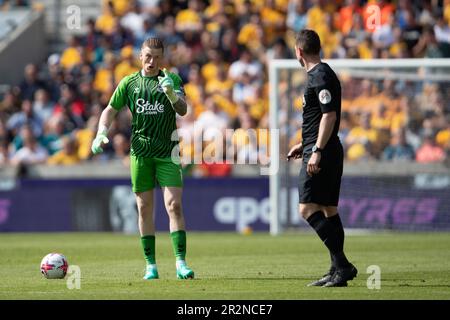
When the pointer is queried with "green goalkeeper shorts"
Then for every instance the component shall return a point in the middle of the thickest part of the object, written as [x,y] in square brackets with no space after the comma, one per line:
[145,172]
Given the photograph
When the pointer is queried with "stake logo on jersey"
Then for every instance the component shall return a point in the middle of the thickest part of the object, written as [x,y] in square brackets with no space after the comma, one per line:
[153,117]
[145,107]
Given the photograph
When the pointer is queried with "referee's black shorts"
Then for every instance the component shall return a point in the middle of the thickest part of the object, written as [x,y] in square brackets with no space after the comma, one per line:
[322,188]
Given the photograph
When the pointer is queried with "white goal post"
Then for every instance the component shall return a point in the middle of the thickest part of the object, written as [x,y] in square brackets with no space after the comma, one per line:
[361,68]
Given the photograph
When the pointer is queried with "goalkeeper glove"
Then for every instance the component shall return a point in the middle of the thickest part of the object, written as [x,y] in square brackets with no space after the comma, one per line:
[167,84]
[99,139]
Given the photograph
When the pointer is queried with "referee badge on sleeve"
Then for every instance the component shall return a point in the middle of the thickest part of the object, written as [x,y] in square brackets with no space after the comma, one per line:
[324,96]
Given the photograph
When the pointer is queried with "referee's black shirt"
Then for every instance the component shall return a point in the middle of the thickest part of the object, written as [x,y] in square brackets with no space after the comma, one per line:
[322,95]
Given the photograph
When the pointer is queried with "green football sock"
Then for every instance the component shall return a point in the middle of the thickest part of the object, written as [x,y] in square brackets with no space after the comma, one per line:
[148,245]
[179,244]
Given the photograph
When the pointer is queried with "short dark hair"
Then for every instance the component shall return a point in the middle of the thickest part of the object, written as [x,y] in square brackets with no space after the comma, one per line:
[153,43]
[308,41]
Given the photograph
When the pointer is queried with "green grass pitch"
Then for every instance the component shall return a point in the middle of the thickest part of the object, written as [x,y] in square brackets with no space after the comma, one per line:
[227,266]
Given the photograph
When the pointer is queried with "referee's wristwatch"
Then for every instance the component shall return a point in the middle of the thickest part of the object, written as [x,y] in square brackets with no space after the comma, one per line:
[316,149]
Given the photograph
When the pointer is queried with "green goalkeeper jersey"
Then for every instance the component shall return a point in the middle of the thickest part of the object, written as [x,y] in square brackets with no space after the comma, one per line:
[153,118]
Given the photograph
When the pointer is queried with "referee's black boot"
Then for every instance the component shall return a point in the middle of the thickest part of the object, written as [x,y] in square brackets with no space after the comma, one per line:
[325,278]
[341,276]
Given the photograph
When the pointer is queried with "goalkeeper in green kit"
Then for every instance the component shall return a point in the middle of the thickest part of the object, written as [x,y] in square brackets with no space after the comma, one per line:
[154,97]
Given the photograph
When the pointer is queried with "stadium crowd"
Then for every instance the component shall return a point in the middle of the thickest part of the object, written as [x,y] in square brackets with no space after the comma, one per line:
[220,49]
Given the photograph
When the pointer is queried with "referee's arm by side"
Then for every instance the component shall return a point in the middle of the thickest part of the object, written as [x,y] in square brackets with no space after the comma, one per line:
[325,128]
[329,106]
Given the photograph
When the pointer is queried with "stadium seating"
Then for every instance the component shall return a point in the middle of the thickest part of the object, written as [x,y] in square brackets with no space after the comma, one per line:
[221,49]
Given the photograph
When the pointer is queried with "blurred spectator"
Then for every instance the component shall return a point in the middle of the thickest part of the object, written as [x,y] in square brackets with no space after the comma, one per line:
[118,7]
[244,89]
[70,102]
[169,32]
[120,37]
[190,18]
[82,71]
[246,64]
[212,121]
[381,118]
[68,155]
[273,21]
[127,66]
[54,130]
[134,19]
[27,117]
[279,50]
[219,83]
[210,70]
[150,6]
[297,15]
[383,36]
[316,15]
[42,105]
[398,149]
[121,148]
[345,127]
[70,120]
[347,15]
[250,34]
[447,11]
[442,30]
[427,13]
[104,78]
[87,95]
[106,22]
[443,136]
[245,140]
[430,152]
[31,82]
[229,46]
[4,152]
[92,38]
[147,32]
[71,55]
[31,152]
[428,46]
[9,104]
[84,137]
[55,77]
[194,88]
[361,139]
[411,31]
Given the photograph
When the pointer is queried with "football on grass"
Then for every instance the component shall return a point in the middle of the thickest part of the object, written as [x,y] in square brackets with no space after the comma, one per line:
[54,266]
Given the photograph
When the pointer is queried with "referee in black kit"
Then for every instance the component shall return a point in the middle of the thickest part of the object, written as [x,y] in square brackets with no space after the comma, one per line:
[323,158]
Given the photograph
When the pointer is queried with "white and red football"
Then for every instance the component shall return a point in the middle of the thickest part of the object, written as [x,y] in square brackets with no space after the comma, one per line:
[54,266]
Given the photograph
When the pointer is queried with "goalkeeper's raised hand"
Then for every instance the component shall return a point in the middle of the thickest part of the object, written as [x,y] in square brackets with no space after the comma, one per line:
[167,84]
[99,139]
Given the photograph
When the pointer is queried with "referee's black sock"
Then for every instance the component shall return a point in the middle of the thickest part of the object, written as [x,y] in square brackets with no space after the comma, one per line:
[339,257]
[330,237]
[337,223]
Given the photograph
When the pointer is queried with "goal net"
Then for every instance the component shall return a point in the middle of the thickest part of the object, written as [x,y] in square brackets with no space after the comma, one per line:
[395,129]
